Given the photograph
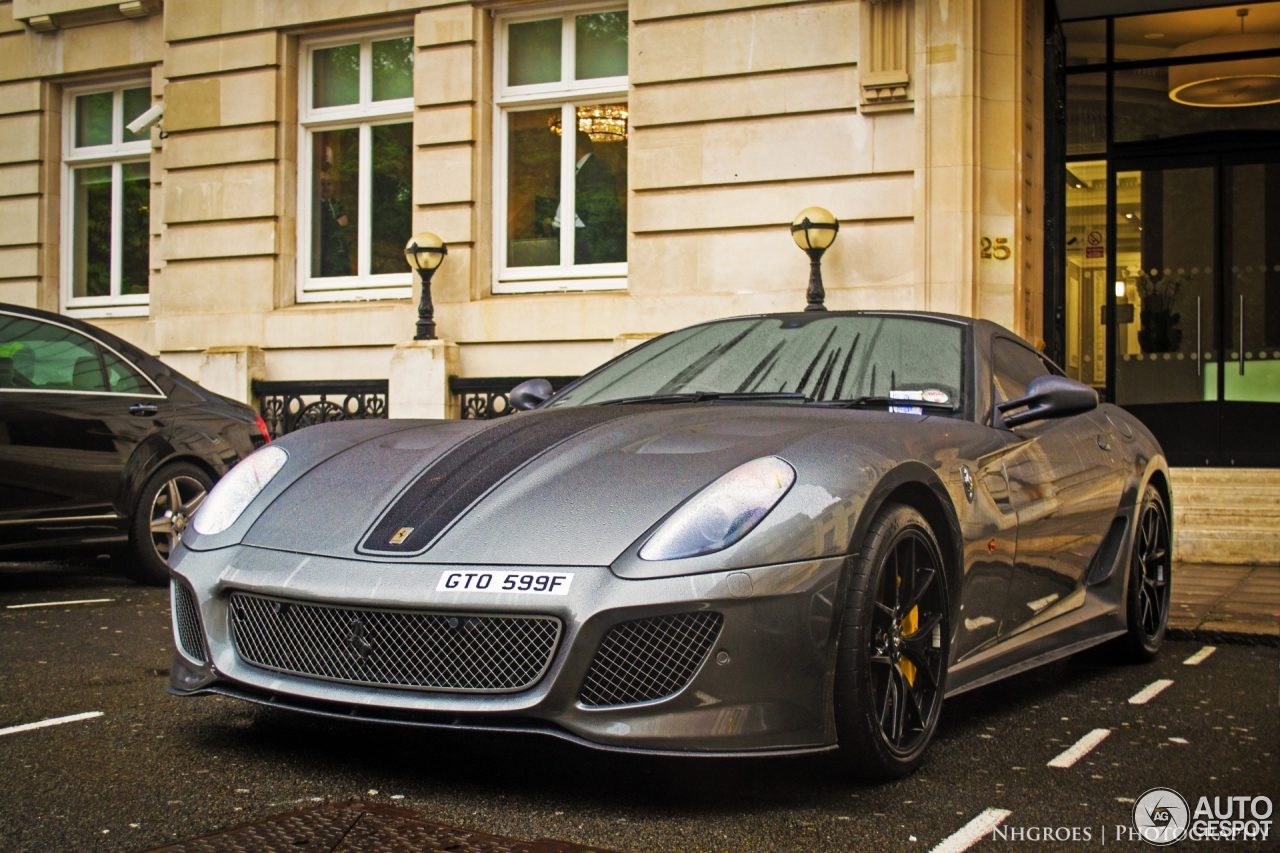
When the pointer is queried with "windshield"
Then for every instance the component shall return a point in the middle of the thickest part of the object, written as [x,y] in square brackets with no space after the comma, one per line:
[835,358]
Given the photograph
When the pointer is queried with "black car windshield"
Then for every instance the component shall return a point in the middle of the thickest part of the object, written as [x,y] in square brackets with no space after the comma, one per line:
[834,358]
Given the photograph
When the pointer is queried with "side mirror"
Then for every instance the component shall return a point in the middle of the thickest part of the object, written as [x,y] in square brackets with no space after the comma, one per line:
[1048,397]
[530,394]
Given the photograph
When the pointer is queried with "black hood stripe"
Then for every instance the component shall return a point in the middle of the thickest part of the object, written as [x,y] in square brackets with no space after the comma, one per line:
[454,481]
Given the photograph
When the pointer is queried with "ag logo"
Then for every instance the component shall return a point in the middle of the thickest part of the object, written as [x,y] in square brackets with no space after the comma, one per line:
[1161,816]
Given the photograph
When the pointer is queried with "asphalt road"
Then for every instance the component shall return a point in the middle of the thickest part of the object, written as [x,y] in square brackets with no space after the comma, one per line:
[154,768]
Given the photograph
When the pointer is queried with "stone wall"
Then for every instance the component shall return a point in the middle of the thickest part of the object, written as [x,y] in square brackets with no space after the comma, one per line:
[743,112]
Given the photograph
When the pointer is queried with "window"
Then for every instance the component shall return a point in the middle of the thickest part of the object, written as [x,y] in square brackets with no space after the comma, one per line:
[561,156]
[107,200]
[1013,368]
[37,356]
[355,159]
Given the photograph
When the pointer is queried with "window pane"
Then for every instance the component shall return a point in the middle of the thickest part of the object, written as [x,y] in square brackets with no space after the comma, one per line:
[336,76]
[123,379]
[1086,42]
[93,119]
[335,202]
[40,355]
[1012,368]
[1086,113]
[601,184]
[533,189]
[1086,272]
[1177,33]
[534,52]
[135,227]
[136,102]
[602,45]
[393,69]
[392,207]
[1145,109]
[92,240]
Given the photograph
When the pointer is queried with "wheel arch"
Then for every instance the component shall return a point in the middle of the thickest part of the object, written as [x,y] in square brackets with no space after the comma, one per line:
[919,487]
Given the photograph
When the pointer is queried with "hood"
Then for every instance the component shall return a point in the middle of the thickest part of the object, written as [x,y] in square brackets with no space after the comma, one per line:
[556,487]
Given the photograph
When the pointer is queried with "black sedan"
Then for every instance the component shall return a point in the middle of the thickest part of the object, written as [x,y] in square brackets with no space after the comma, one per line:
[773,534]
[103,446]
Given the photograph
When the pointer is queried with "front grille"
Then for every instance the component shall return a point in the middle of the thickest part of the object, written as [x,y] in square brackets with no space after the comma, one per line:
[394,648]
[649,658]
[186,618]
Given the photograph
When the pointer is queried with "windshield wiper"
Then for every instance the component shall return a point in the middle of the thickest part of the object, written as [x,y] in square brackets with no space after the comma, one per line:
[875,400]
[700,396]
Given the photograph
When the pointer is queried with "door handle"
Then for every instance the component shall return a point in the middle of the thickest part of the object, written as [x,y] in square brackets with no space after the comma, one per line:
[144,410]
[1242,334]
[1199,349]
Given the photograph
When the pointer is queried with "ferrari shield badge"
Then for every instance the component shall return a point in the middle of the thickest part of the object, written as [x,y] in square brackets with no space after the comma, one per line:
[401,535]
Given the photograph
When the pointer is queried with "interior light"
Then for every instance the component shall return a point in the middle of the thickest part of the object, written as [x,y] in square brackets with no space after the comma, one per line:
[1119,289]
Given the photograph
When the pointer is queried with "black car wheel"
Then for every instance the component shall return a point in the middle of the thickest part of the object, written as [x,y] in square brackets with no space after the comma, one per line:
[164,511]
[1147,601]
[892,661]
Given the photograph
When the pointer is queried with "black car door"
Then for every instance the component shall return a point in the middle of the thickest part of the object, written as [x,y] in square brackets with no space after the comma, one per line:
[71,414]
[1059,485]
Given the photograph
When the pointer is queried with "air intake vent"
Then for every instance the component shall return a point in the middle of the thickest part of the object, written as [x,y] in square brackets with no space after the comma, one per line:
[649,659]
[186,623]
[459,652]
[1104,559]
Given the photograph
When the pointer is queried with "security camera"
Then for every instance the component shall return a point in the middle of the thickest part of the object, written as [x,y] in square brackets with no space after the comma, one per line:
[147,120]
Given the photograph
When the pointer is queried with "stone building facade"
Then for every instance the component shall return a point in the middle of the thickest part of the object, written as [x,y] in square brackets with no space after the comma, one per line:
[918,124]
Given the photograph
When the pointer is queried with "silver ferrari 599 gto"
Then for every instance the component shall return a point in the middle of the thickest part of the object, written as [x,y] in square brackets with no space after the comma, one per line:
[773,534]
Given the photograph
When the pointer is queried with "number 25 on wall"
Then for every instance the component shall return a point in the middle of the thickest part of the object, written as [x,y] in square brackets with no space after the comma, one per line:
[999,250]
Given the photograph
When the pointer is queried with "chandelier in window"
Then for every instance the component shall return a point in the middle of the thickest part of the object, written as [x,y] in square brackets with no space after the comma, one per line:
[1228,82]
[602,122]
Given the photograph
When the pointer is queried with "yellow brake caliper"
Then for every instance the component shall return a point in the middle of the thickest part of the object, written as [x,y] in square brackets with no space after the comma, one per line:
[909,626]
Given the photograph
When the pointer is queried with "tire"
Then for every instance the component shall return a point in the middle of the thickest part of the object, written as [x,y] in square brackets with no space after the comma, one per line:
[156,528]
[891,663]
[1148,593]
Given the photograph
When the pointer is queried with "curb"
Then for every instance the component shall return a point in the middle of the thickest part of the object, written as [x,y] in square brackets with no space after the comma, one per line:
[1219,636]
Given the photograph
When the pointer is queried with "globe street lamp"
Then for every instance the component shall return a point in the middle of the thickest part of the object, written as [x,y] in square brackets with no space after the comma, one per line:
[424,252]
[814,230]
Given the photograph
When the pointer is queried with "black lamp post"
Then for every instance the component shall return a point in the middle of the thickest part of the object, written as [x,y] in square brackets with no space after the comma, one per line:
[424,252]
[814,230]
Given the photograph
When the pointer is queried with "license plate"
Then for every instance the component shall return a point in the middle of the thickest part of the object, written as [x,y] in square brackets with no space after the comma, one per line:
[507,583]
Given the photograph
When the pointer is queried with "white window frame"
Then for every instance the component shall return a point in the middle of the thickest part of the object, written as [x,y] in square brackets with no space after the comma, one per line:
[569,96]
[115,155]
[364,115]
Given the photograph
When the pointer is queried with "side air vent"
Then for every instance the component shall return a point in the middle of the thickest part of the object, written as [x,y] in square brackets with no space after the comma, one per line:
[649,659]
[186,624]
[1104,559]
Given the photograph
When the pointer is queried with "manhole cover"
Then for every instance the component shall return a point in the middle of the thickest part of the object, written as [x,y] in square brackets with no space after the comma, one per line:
[361,828]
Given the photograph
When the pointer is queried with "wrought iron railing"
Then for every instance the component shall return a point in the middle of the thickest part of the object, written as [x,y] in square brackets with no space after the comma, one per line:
[489,397]
[289,406]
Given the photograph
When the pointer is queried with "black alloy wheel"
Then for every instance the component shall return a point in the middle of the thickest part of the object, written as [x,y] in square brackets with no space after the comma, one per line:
[1149,580]
[892,660]
[165,508]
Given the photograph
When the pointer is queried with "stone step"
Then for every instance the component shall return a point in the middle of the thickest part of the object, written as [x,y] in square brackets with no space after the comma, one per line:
[1198,517]
[1239,496]
[1225,476]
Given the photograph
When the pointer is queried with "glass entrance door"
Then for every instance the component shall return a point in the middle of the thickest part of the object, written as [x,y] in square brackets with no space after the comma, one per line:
[1197,305]
[1251,371]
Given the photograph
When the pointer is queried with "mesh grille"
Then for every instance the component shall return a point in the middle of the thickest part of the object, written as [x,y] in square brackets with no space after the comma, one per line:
[429,651]
[189,637]
[649,658]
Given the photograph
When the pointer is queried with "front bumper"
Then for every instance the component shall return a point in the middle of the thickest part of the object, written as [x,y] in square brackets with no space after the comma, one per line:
[772,694]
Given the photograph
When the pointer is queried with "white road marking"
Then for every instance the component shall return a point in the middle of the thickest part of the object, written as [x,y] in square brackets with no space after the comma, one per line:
[56,721]
[58,603]
[972,832]
[1080,748]
[1199,656]
[1179,740]
[1149,692]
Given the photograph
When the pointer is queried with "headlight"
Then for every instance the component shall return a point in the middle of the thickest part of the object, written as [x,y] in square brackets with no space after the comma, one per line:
[723,512]
[233,492]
